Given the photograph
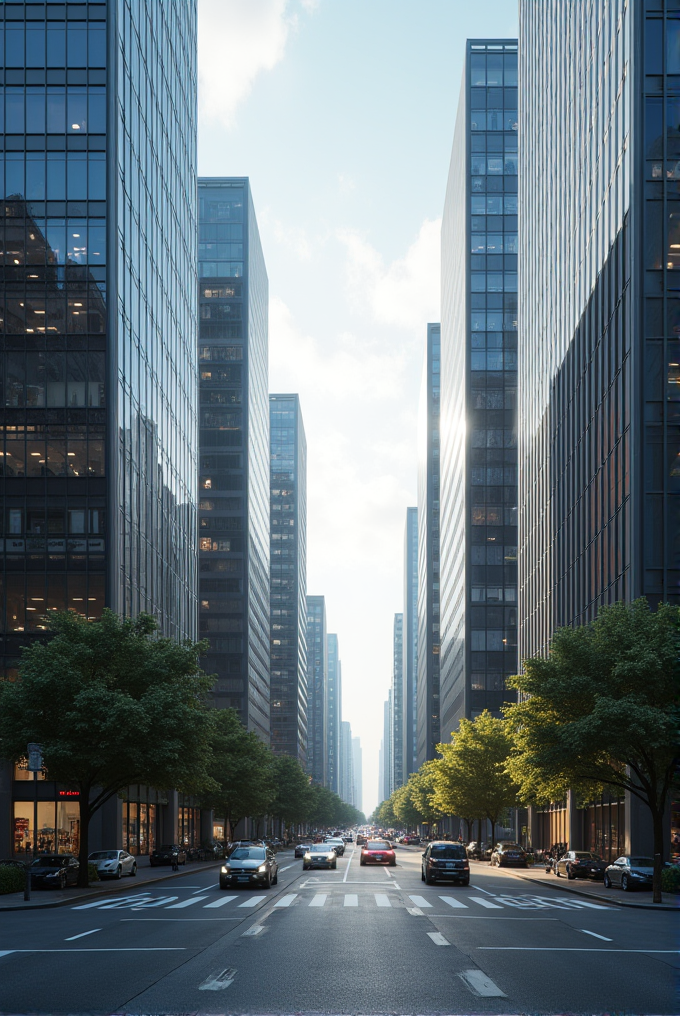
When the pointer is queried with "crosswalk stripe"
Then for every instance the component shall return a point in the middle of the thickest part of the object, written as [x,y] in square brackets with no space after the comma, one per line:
[125,900]
[253,901]
[485,903]
[453,902]
[593,906]
[318,900]
[351,900]
[186,903]
[285,901]
[148,904]
[420,901]
[219,903]
[382,900]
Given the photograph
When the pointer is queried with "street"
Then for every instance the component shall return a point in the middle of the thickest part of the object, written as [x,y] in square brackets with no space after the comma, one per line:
[345,941]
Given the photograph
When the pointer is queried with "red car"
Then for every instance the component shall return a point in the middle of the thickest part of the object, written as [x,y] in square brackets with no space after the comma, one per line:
[378,852]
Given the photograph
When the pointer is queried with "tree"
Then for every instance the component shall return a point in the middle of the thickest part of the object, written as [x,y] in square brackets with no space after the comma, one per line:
[404,807]
[292,797]
[322,808]
[602,710]
[422,791]
[112,704]
[472,777]
[242,770]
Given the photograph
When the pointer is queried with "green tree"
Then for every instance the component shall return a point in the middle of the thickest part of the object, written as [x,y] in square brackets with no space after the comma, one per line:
[603,710]
[292,798]
[241,768]
[423,792]
[112,704]
[404,807]
[322,809]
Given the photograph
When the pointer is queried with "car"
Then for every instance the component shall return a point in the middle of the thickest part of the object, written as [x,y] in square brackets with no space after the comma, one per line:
[301,849]
[377,852]
[251,865]
[113,863]
[336,843]
[629,873]
[411,840]
[348,839]
[580,864]
[244,843]
[54,871]
[165,853]
[507,853]
[445,860]
[320,855]
[361,839]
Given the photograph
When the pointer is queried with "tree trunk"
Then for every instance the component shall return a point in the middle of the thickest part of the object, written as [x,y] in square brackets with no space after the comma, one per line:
[657,823]
[493,833]
[84,832]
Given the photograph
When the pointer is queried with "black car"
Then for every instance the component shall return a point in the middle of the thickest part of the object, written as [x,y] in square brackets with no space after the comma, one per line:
[54,871]
[444,860]
[630,873]
[507,853]
[165,853]
[580,864]
[249,866]
[301,849]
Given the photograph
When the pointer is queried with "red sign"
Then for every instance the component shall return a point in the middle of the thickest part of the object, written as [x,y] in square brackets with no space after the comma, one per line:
[69,793]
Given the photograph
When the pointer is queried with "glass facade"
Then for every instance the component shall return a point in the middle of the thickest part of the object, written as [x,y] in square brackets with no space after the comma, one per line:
[410,634]
[428,731]
[234,464]
[333,712]
[288,507]
[395,742]
[317,683]
[347,790]
[479,391]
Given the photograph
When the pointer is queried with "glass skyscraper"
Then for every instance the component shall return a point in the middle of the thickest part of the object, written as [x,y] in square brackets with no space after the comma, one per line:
[98,297]
[479,391]
[410,637]
[317,684]
[333,712]
[395,742]
[347,789]
[288,570]
[234,460]
[428,733]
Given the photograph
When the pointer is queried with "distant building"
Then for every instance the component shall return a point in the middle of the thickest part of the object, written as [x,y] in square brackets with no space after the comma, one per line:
[347,790]
[288,593]
[395,742]
[333,712]
[410,645]
[358,773]
[317,690]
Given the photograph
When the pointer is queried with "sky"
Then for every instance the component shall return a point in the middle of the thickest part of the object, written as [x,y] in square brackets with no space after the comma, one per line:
[341,113]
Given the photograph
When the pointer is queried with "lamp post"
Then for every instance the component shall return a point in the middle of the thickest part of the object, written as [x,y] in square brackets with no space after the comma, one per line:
[34,766]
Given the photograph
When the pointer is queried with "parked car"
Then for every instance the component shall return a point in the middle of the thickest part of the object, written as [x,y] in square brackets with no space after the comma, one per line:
[113,863]
[244,843]
[248,866]
[320,855]
[377,852]
[164,854]
[630,873]
[411,840]
[580,864]
[336,843]
[54,871]
[301,849]
[445,860]
[507,853]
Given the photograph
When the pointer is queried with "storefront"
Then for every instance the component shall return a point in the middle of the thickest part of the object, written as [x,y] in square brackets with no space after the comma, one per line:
[141,810]
[58,813]
[188,821]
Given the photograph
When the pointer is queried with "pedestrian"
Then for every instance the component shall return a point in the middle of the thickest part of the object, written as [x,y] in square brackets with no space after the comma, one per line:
[175,860]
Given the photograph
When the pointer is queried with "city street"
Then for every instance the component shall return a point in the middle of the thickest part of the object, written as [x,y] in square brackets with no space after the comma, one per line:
[345,941]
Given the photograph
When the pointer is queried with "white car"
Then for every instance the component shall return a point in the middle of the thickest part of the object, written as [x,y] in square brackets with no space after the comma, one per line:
[113,863]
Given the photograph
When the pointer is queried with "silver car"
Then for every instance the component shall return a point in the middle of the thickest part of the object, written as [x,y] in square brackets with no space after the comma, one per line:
[113,863]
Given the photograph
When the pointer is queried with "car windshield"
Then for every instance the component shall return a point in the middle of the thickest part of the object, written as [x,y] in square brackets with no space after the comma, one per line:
[319,848]
[448,850]
[248,854]
[378,845]
[49,862]
[642,862]
[510,846]
[103,855]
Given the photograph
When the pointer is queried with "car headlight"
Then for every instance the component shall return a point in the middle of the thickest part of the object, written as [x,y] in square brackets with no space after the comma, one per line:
[308,857]
[263,867]
[225,869]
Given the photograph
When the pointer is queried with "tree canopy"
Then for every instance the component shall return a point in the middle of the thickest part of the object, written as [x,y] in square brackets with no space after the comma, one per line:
[241,768]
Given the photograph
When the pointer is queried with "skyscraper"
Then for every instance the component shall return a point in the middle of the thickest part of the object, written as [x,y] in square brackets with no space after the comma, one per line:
[347,789]
[333,712]
[234,450]
[427,716]
[317,685]
[98,295]
[410,644]
[358,773]
[288,569]
[396,699]
[479,391]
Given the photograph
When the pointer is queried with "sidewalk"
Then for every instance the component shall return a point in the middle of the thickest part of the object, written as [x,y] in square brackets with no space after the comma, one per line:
[44,899]
[638,900]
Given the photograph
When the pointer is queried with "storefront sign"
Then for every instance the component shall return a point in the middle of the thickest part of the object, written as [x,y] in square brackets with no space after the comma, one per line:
[69,793]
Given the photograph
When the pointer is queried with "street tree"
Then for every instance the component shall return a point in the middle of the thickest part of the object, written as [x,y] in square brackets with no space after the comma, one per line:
[241,768]
[404,807]
[603,710]
[292,797]
[112,704]
[422,787]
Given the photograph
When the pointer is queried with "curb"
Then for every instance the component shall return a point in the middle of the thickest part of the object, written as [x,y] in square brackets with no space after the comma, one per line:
[103,892]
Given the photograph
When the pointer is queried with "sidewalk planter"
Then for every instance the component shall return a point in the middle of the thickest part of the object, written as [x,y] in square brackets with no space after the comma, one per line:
[12,879]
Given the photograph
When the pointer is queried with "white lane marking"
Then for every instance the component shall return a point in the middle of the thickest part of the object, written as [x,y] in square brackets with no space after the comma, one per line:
[286,901]
[485,903]
[438,938]
[119,902]
[351,900]
[219,903]
[591,906]
[81,935]
[169,948]
[201,890]
[152,903]
[453,902]
[595,934]
[251,932]
[382,900]
[480,890]
[351,858]
[318,900]
[415,911]
[187,903]
[541,948]
[481,985]
[286,868]
[387,872]
[218,981]
[253,901]
[420,901]
[6,952]
[396,885]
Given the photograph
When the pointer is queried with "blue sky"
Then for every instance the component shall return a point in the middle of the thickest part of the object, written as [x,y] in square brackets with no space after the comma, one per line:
[341,112]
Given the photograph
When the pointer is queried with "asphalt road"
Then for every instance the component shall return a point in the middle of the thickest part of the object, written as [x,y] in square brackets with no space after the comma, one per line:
[356,940]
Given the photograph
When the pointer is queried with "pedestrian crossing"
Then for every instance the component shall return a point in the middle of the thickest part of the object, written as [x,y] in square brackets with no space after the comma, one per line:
[416,905]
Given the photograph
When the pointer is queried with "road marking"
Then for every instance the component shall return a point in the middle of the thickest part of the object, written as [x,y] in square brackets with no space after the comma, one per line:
[81,935]
[485,903]
[481,985]
[480,890]
[255,930]
[387,872]
[420,901]
[592,906]
[319,900]
[218,981]
[453,902]
[170,948]
[253,901]
[415,911]
[396,885]
[382,899]
[351,858]
[150,904]
[286,868]
[438,938]
[203,890]
[187,903]
[351,900]
[125,899]
[6,952]
[601,949]
[595,934]
[219,903]
[286,901]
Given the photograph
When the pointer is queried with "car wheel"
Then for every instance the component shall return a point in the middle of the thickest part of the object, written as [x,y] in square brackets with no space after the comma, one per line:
[429,880]
[393,864]
[268,882]
[119,872]
[276,878]
[422,874]
[570,875]
[223,885]
[362,864]
[466,882]
[557,872]
[305,867]
[625,884]
[606,881]
[62,881]
[133,871]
